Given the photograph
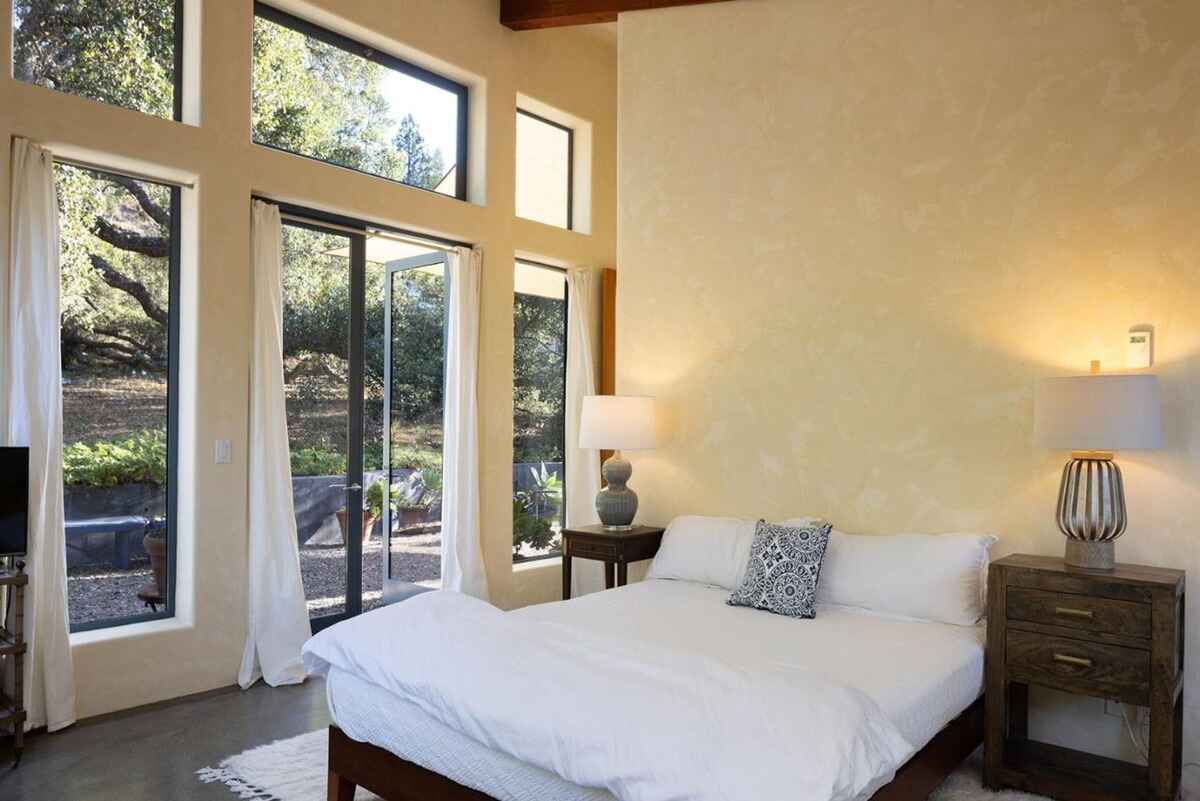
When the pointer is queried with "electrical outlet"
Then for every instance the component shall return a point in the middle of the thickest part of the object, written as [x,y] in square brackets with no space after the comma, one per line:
[223,452]
[1112,708]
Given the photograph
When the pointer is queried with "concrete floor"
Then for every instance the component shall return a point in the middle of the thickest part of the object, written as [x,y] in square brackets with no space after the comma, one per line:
[152,753]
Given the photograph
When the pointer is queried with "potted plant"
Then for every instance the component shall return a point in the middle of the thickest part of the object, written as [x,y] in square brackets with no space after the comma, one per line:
[155,543]
[431,480]
[372,511]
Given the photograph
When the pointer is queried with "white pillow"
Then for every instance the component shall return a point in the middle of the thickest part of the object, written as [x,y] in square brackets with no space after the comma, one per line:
[938,577]
[707,550]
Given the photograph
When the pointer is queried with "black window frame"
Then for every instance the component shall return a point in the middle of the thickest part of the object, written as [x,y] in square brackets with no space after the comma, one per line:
[173,299]
[177,78]
[566,354]
[570,172]
[334,39]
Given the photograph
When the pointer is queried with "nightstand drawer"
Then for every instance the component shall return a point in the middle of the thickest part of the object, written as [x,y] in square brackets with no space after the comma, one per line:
[586,549]
[1090,668]
[1079,612]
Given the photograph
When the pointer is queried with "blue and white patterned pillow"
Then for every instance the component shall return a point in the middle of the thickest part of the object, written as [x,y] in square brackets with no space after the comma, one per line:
[785,564]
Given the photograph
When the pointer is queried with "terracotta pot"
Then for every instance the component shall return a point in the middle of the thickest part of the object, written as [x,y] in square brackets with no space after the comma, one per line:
[413,516]
[368,523]
[156,549]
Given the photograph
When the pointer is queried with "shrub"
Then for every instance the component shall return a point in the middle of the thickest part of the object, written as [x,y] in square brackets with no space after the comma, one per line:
[139,458]
[317,462]
[527,527]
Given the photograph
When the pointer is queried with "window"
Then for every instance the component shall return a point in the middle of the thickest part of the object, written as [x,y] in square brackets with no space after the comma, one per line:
[318,94]
[126,53]
[119,246]
[539,401]
[545,156]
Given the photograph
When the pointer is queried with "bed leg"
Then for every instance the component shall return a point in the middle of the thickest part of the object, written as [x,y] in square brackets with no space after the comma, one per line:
[340,789]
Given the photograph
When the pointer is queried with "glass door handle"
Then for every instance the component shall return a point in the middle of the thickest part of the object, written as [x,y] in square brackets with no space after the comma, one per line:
[353,487]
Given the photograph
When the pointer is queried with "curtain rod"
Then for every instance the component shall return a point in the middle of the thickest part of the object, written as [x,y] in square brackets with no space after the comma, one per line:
[353,226]
[140,176]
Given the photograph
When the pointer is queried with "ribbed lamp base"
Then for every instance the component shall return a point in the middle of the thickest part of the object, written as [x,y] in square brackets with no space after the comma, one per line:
[1091,509]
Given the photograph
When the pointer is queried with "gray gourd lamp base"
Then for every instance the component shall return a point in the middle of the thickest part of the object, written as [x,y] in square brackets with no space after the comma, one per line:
[616,504]
[1091,509]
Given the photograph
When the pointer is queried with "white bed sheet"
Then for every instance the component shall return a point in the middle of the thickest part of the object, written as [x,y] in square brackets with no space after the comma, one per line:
[922,675]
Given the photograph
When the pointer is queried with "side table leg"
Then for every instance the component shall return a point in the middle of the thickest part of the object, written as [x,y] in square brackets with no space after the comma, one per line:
[622,573]
[566,571]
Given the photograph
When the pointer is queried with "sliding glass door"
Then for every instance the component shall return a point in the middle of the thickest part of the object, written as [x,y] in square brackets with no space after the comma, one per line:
[322,268]
[364,374]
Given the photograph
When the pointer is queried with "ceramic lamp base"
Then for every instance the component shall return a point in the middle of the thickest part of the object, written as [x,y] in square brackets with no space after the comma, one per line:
[616,504]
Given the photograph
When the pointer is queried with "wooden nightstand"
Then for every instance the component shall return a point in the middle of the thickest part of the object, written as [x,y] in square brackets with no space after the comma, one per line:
[614,548]
[1109,634]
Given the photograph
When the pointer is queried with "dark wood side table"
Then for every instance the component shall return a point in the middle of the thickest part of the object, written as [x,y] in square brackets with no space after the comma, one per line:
[1114,634]
[615,548]
[12,649]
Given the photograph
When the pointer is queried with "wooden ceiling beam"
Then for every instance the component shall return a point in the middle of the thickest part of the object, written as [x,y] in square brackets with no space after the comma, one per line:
[527,15]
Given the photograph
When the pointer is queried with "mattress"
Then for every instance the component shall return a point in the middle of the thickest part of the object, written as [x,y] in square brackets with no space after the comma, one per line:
[921,674]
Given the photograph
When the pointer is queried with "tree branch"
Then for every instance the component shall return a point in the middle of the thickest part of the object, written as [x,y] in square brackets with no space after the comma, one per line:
[137,291]
[153,246]
[157,213]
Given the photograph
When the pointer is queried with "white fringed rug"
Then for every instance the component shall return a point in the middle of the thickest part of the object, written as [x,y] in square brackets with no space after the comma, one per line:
[294,770]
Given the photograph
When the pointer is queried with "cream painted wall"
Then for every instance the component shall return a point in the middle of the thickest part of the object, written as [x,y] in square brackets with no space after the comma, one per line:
[570,70]
[852,236]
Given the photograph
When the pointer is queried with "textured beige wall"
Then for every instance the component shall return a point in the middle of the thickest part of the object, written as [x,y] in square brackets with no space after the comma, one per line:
[852,236]
[571,70]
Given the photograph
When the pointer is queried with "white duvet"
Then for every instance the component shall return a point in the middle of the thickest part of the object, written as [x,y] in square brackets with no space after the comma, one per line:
[645,722]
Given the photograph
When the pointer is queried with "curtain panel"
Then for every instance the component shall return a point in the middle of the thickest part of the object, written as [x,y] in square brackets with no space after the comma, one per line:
[462,553]
[31,414]
[277,618]
[583,465]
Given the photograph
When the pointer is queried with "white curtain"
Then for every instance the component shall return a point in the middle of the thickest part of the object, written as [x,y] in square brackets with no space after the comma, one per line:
[583,466]
[462,553]
[278,617]
[31,414]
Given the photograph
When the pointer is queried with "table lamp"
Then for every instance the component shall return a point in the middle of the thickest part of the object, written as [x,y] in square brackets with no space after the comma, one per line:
[617,423]
[1092,416]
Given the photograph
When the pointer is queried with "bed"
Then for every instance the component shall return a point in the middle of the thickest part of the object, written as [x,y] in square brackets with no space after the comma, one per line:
[925,677]
[662,690]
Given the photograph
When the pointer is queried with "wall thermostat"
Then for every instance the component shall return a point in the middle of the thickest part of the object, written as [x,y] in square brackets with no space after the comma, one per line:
[1139,348]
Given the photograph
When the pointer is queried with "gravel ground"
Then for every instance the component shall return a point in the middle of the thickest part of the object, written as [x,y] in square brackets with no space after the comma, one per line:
[103,593]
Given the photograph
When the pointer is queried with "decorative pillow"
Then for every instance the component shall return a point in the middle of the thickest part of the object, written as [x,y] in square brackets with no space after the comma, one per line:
[937,577]
[706,550]
[784,566]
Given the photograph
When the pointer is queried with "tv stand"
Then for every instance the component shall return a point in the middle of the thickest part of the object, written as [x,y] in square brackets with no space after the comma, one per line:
[12,651]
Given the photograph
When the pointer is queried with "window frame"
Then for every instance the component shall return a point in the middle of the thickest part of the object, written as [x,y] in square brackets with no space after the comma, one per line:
[388,61]
[566,355]
[173,313]
[570,175]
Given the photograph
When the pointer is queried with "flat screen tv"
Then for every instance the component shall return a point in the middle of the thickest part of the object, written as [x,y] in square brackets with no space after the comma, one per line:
[14,501]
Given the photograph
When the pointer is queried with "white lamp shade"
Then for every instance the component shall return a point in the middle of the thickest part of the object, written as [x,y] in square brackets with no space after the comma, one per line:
[1098,413]
[618,422]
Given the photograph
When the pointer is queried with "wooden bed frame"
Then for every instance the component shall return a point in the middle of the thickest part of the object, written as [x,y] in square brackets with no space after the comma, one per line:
[353,764]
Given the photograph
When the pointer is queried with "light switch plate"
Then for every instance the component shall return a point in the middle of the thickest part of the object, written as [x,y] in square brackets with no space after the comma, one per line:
[224,451]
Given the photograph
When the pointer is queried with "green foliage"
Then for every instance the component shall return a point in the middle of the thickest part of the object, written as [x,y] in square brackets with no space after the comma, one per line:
[539,388]
[527,527]
[317,462]
[325,461]
[115,51]
[547,484]
[141,457]
[374,497]
[431,478]
[422,167]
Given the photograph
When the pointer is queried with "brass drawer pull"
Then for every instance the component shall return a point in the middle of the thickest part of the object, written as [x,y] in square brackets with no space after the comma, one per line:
[1078,661]
[1069,612]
